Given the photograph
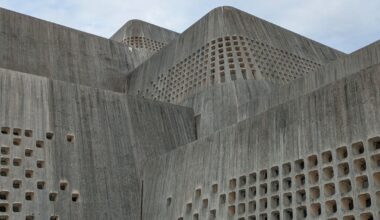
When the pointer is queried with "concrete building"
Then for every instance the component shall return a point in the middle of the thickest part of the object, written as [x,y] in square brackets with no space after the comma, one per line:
[235,118]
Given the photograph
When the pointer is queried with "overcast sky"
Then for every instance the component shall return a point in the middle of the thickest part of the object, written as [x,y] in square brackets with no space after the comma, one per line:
[346,25]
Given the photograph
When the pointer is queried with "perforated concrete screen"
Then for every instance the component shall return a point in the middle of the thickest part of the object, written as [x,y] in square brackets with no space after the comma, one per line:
[233,119]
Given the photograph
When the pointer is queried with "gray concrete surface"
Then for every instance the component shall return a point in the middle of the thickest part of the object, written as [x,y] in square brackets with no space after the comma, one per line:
[235,118]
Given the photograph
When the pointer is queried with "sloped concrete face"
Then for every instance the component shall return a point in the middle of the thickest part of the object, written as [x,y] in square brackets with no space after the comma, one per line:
[235,118]
[143,40]
[34,46]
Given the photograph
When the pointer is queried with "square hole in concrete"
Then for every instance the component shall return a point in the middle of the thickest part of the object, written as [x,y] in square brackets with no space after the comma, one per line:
[263,216]
[357,148]
[366,216]
[364,201]
[275,215]
[212,214]
[232,183]
[300,180]
[53,196]
[374,144]
[242,181]
[263,189]
[263,175]
[16,141]
[28,133]
[287,199]
[63,185]
[41,185]
[362,183]
[28,173]
[360,165]
[327,157]
[28,152]
[29,196]
[349,217]
[301,212]
[241,209]
[330,207]
[49,135]
[328,173]
[345,186]
[341,153]
[288,214]
[275,186]
[40,164]
[39,144]
[231,197]
[17,162]
[343,169]
[242,194]
[5,130]
[329,189]
[17,131]
[286,169]
[315,209]
[16,207]
[314,193]
[5,150]
[299,165]
[313,177]
[222,199]
[204,201]
[263,204]
[252,192]
[252,206]
[300,196]
[16,184]
[4,171]
[252,178]
[287,183]
[3,207]
[347,204]
[4,195]
[198,192]
[214,188]
[312,161]
[274,172]
[375,161]
[231,210]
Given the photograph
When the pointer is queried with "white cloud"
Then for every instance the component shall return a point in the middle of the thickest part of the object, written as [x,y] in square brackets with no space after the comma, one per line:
[343,24]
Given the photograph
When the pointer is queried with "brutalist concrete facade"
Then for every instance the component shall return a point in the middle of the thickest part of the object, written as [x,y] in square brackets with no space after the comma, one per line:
[235,118]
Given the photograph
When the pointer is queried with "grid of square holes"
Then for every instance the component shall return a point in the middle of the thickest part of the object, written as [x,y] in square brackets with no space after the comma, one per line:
[227,59]
[144,43]
[22,172]
[342,183]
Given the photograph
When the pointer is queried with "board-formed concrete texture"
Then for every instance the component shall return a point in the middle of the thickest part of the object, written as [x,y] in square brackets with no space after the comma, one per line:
[233,119]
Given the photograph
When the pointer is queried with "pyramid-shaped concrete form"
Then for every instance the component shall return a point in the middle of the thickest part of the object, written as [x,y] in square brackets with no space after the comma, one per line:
[235,118]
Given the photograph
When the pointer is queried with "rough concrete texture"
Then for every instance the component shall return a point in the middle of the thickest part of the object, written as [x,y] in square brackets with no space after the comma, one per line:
[235,118]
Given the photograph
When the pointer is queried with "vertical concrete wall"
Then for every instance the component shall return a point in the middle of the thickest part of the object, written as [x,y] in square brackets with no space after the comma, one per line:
[315,157]
[93,145]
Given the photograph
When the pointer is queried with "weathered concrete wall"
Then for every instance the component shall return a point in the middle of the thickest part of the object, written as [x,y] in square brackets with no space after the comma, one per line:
[258,45]
[343,67]
[241,171]
[42,48]
[112,136]
[217,107]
